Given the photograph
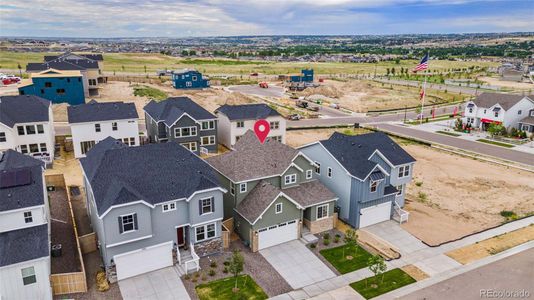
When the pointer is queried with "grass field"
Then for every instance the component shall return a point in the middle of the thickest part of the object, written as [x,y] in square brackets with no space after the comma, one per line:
[495,143]
[222,289]
[136,62]
[338,258]
[375,286]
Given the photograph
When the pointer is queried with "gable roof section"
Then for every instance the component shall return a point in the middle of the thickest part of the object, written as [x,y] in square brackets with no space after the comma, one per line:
[487,100]
[353,152]
[257,201]
[56,73]
[106,111]
[23,109]
[24,195]
[170,110]
[153,173]
[58,65]
[24,244]
[247,111]
[310,193]
[252,160]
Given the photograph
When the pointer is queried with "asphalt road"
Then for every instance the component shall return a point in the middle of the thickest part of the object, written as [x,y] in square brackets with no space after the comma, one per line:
[514,273]
[271,91]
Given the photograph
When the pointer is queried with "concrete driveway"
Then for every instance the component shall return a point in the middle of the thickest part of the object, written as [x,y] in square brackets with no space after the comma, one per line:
[160,284]
[391,232]
[297,264]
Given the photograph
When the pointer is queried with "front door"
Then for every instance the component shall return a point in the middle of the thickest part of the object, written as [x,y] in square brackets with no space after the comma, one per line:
[180,238]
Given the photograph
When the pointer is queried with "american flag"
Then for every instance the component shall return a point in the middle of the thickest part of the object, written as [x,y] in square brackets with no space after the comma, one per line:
[423,64]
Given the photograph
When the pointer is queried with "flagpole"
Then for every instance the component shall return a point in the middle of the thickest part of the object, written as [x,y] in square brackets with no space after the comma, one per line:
[424,95]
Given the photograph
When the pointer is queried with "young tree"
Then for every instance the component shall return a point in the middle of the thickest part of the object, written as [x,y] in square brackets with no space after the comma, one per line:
[236,265]
[377,265]
[145,69]
[350,239]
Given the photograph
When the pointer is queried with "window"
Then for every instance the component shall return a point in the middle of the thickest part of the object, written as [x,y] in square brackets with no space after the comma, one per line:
[309,174]
[404,171]
[523,128]
[3,137]
[168,207]
[20,130]
[60,91]
[28,217]
[114,126]
[290,179]
[322,211]
[274,125]
[374,186]
[207,140]
[277,138]
[237,138]
[329,173]
[21,92]
[192,146]
[232,189]
[205,232]
[278,208]
[40,128]
[97,128]
[86,146]
[189,84]
[470,110]
[240,124]
[496,114]
[208,125]
[48,84]
[128,223]
[318,168]
[201,233]
[400,190]
[206,206]
[43,147]
[34,148]
[243,187]
[185,131]
[30,129]
[132,141]
[23,149]
[28,275]
[194,78]
[519,112]
[92,81]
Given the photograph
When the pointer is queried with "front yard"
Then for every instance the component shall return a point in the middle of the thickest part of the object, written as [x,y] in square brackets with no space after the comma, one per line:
[222,289]
[381,284]
[346,258]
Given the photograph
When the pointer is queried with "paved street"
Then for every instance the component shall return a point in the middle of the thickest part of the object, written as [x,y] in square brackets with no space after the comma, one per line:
[254,89]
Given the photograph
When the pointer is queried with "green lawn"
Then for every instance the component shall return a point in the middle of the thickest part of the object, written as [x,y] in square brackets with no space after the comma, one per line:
[222,289]
[393,280]
[495,143]
[448,133]
[340,262]
[150,92]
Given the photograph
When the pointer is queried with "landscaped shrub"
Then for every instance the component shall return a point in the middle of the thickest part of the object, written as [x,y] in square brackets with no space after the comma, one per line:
[211,272]
[194,280]
[226,263]
[336,239]
[187,277]
[423,197]
[338,235]
[326,242]
[419,183]
[326,236]
[313,246]
[196,274]
[213,264]
[204,277]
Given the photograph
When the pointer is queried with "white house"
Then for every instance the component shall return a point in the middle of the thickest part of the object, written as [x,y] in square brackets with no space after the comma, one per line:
[24,230]
[92,122]
[496,108]
[26,126]
[235,120]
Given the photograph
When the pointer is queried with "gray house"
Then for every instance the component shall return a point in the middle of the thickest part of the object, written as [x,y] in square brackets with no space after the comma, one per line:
[158,204]
[274,195]
[367,172]
[181,120]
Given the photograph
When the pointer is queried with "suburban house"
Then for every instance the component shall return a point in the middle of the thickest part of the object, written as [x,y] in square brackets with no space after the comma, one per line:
[236,120]
[527,123]
[92,122]
[24,228]
[306,75]
[368,173]
[151,206]
[89,65]
[274,195]
[55,86]
[189,79]
[181,120]
[503,109]
[27,126]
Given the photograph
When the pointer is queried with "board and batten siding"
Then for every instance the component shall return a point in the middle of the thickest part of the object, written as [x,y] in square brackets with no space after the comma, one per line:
[310,213]
[270,217]
[12,286]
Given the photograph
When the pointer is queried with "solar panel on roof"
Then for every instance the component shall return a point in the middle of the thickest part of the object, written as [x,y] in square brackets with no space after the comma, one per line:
[17,177]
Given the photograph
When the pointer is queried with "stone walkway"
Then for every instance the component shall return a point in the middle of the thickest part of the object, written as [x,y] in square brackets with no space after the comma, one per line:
[429,259]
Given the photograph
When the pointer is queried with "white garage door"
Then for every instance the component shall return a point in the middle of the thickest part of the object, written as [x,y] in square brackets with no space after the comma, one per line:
[375,214]
[277,234]
[145,260]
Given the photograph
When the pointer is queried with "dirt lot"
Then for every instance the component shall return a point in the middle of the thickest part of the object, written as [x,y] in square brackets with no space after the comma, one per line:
[457,195]
[507,84]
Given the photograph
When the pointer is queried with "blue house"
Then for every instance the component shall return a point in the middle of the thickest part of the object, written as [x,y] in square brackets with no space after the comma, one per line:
[305,76]
[55,86]
[189,79]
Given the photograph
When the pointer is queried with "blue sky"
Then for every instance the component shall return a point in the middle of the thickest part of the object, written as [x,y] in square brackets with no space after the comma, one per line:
[171,18]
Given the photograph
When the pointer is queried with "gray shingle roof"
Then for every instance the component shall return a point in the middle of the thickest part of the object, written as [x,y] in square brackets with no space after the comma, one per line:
[528,120]
[173,108]
[251,159]
[106,111]
[247,111]
[28,195]
[353,152]
[487,100]
[24,244]
[257,200]
[92,56]
[154,173]
[310,193]
[23,109]
[58,65]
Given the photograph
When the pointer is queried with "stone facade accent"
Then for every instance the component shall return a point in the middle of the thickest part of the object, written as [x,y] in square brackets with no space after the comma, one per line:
[209,247]
[254,241]
[320,225]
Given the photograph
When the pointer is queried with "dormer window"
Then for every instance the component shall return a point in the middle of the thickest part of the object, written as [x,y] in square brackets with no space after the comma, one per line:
[374,186]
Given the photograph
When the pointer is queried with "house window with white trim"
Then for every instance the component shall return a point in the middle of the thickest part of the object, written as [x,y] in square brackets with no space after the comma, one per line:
[519,112]
[207,140]
[208,125]
[496,114]
[274,124]
[400,190]
[185,131]
[525,127]
[374,186]
[191,146]
[28,275]
[20,130]
[97,128]
[3,137]
[30,129]
[329,172]
[42,146]
[309,174]
[278,208]
[40,128]
[194,78]
[243,187]
[232,189]
[240,124]
[290,179]
[24,149]
[404,171]
[114,126]
[322,211]
[28,217]
[206,206]
[318,168]
[205,232]
[168,207]
[470,110]
[128,223]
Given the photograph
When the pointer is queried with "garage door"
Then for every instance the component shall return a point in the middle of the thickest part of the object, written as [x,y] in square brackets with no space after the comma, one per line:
[143,260]
[375,214]
[277,234]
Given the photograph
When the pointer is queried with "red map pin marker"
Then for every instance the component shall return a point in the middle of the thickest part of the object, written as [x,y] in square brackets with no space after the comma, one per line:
[261,129]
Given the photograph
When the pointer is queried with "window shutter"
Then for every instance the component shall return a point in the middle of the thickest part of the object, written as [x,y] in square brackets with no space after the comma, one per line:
[200,207]
[120,225]
[135,221]
[212,204]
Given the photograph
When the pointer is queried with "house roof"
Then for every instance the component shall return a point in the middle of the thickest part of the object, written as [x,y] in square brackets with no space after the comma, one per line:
[170,110]
[23,109]
[353,152]
[184,71]
[257,200]
[247,111]
[527,120]
[24,244]
[250,159]
[56,73]
[310,193]
[63,64]
[22,181]
[487,100]
[154,173]
[92,56]
[105,111]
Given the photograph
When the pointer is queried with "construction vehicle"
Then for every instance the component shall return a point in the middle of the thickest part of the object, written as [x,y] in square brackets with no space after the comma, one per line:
[264,85]
[294,117]
[302,103]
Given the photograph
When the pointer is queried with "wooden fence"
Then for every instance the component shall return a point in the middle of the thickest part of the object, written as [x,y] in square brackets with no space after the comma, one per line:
[227,228]
[88,242]
[55,180]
